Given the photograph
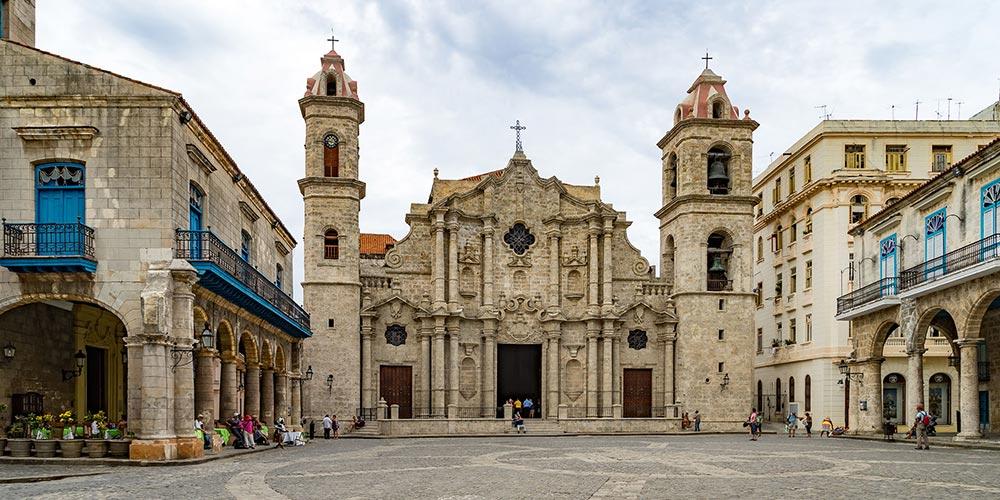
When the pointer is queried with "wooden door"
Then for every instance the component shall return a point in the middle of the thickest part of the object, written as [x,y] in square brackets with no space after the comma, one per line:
[396,387]
[637,393]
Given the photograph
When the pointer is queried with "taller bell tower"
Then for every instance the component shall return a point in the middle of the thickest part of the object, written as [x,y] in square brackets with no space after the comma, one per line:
[706,228]
[332,194]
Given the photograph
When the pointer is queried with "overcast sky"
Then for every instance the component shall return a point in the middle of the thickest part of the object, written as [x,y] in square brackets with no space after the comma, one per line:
[596,83]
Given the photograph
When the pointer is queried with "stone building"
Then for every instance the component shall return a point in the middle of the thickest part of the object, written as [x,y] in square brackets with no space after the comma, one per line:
[511,285]
[837,174]
[142,273]
[931,265]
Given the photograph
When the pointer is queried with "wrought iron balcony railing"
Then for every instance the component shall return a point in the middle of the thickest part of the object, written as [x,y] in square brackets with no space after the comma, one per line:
[204,246]
[981,251]
[48,240]
[885,287]
[715,285]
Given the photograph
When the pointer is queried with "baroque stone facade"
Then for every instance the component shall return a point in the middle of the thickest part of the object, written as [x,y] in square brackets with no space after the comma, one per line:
[511,285]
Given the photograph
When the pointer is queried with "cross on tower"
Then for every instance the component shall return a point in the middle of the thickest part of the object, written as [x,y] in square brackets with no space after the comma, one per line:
[517,128]
[706,59]
[333,40]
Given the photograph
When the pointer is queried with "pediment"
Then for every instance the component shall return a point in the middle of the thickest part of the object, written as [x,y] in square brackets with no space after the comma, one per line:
[393,306]
[642,313]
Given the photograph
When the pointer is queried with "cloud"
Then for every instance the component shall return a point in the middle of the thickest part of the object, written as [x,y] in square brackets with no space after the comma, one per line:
[595,82]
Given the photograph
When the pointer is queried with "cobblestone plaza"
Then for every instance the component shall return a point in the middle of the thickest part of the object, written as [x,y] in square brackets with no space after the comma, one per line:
[707,466]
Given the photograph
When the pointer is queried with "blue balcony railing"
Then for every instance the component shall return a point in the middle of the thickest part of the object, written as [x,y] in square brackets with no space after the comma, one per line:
[49,247]
[223,271]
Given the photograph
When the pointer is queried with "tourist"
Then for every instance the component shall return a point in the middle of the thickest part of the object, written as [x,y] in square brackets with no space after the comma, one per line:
[199,425]
[336,427]
[236,430]
[920,424]
[697,421]
[529,405]
[809,425]
[327,426]
[751,423]
[760,422]
[247,427]
[279,433]
[685,421]
[792,423]
[518,423]
[357,422]
[258,432]
[517,405]
[826,427]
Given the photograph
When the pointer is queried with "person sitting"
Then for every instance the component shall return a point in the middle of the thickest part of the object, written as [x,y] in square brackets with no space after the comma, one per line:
[357,422]
[518,422]
[258,433]
[279,433]
[826,427]
[236,431]
[205,435]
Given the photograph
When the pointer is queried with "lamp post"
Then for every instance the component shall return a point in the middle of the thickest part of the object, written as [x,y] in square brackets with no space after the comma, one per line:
[309,373]
[329,382]
[725,381]
[845,370]
[80,358]
[207,338]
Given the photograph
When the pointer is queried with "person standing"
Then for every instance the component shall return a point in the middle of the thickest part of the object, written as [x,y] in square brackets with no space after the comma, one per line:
[752,424]
[327,426]
[248,430]
[697,421]
[920,424]
[530,406]
[793,423]
[336,428]
[809,425]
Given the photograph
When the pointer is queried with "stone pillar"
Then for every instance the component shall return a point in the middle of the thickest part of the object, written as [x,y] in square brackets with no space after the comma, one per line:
[606,375]
[616,370]
[968,375]
[280,397]
[870,390]
[438,270]
[606,274]
[296,388]
[182,316]
[592,363]
[135,345]
[592,273]
[853,411]
[552,401]
[667,369]
[267,395]
[487,262]
[914,380]
[251,390]
[437,369]
[424,392]
[228,405]
[157,393]
[488,378]
[453,263]
[456,356]
[367,398]
[555,298]
[204,384]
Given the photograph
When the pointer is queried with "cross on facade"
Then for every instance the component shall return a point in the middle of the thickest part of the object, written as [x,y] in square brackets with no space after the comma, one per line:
[706,59]
[517,128]
[333,40]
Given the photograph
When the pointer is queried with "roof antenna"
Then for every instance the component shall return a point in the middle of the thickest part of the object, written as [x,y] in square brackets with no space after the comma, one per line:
[959,103]
[825,115]
[892,112]
[916,110]
[949,109]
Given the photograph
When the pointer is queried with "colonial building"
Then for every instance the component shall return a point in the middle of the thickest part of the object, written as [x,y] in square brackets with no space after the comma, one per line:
[931,264]
[142,274]
[829,180]
[512,285]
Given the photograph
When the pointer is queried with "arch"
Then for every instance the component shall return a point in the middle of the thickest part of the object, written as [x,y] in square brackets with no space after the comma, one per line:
[225,339]
[882,332]
[807,393]
[249,345]
[719,251]
[939,392]
[200,320]
[718,159]
[669,251]
[670,177]
[974,319]
[718,108]
[331,244]
[280,365]
[934,317]
[266,357]
[858,208]
[330,84]
[791,389]
[678,115]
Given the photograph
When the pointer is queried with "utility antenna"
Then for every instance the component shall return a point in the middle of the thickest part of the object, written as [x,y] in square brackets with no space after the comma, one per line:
[772,157]
[959,104]
[949,108]
[916,110]
[892,111]
[825,115]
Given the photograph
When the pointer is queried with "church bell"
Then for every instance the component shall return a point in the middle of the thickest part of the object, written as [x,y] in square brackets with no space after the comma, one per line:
[717,172]
[717,266]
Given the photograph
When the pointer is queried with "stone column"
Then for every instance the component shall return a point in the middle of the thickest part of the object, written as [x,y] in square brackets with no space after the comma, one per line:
[296,388]
[228,405]
[969,388]
[667,369]
[555,298]
[914,380]
[453,263]
[606,368]
[488,378]
[592,362]
[367,400]
[136,352]
[616,370]
[251,390]
[552,401]
[853,412]
[424,392]
[437,369]
[280,397]
[592,273]
[182,333]
[157,393]
[438,263]
[606,274]
[456,356]
[870,390]
[204,384]
[267,395]
[487,262]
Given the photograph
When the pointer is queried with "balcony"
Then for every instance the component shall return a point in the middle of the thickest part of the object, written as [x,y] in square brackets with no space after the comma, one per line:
[872,297]
[715,285]
[958,266]
[48,248]
[222,271]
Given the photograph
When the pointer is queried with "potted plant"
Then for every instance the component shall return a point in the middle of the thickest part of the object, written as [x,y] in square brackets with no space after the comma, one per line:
[45,446]
[20,444]
[70,447]
[97,447]
[775,343]
[789,342]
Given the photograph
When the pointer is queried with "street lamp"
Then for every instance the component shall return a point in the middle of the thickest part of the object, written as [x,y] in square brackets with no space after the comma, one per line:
[329,382]
[954,361]
[725,381]
[80,358]
[309,372]
[845,370]
[8,351]
[207,338]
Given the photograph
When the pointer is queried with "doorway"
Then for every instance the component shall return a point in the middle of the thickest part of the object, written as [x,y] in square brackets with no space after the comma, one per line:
[97,380]
[396,388]
[519,374]
[637,393]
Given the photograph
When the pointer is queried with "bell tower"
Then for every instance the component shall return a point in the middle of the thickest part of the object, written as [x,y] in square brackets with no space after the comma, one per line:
[332,195]
[706,227]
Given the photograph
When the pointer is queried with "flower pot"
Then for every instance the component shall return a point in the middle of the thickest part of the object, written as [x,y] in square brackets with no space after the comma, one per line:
[96,448]
[19,447]
[71,448]
[45,448]
[57,431]
[118,448]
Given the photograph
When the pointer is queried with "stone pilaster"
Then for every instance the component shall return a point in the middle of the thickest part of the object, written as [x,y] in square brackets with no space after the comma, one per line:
[424,391]
[666,343]
[267,395]
[592,362]
[453,262]
[968,375]
[295,419]
[552,400]
[616,370]
[870,389]
[228,387]
[280,397]
[182,333]
[456,357]
[606,273]
[488,263]
[367,400]
[489,373]
[438,269]
[606,366]
[554,297]
[437,368]
[136,352]
[593,271]
[251,390]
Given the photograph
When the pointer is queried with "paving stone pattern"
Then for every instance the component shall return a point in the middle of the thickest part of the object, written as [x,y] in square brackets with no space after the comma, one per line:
[718,466]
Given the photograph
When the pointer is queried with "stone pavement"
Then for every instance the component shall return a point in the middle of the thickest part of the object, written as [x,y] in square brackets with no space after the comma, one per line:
[710,466]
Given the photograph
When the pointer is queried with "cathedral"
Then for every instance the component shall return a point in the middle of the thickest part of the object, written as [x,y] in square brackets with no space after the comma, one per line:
[512,286]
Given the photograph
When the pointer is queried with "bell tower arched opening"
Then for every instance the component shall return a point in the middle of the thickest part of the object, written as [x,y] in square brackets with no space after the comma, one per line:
[718,171]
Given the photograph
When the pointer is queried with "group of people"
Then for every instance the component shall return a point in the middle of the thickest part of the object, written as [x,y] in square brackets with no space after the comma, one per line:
[755,421]
[247,431]
[687,422]
[528,406]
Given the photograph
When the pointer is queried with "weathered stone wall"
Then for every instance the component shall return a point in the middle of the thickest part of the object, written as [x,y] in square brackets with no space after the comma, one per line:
[45,343]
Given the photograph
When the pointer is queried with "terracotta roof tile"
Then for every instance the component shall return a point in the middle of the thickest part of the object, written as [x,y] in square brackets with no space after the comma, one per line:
[375,244]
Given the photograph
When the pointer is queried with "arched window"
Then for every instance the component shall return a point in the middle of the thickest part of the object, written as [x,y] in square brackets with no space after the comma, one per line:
[246,244]
[808,393]
[939,397]
[718,171]
[859,208]
[196,207]
[331,245]
[809,221]
[894,398]
[668,259]
[717,108]
[720,248]
[678,115]
[331,85]
[791,389]
[670,178]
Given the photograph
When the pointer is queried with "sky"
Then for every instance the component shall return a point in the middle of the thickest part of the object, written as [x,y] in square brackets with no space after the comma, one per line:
[596,83]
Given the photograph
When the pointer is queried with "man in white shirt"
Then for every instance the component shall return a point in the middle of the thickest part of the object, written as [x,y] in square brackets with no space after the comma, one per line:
[327,426]
[199,425]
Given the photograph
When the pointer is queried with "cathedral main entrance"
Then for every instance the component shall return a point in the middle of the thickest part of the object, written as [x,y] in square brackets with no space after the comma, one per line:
[519,374]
